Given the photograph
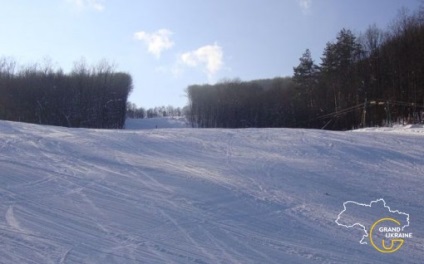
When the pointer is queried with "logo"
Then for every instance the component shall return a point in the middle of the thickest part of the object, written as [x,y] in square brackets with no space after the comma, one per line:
[386,234]
[387,228]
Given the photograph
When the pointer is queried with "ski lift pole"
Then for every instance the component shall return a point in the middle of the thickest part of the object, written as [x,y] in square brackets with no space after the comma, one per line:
[364,114]
[388,116]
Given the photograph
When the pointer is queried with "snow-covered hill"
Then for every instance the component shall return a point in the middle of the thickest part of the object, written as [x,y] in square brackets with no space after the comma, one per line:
[158,122]
[202,195]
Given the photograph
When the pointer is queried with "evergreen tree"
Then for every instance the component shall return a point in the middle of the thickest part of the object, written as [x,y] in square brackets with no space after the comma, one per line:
[305,77]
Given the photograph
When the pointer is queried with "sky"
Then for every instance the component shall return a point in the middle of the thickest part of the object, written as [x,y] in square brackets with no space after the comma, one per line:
[167,45]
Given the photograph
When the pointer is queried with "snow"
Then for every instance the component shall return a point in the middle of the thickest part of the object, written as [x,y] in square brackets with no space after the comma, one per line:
[202,195]
[157,122]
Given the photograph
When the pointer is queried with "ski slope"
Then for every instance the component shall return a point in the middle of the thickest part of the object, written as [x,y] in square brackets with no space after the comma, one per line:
[202,195]
[157,122]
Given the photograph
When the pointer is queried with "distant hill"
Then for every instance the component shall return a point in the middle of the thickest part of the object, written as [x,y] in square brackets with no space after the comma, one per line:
[157,122]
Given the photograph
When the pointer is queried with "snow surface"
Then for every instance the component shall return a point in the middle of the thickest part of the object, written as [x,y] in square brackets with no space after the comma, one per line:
[201,195]
[157,122]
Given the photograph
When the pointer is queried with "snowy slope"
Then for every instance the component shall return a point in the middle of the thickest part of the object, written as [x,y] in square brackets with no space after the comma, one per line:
[201,195]
[157,122]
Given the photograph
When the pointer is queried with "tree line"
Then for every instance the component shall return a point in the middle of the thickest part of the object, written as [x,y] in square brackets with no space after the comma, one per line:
[234,104]
[90,97]
[375,78]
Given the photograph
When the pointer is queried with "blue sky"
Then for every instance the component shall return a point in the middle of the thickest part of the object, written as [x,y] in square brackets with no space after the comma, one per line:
[168,45]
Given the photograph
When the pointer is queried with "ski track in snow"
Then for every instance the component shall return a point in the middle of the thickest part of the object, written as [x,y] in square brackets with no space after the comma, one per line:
[201,195]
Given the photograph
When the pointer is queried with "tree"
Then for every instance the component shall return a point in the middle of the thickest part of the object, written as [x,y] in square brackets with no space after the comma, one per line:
[371,40]
[306,78]
[86,97]
[339,75]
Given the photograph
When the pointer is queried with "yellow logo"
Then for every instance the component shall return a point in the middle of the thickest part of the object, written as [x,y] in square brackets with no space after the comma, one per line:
[390,232]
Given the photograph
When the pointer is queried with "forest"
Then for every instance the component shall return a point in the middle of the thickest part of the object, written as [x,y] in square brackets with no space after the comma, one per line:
[374,78]
[90,97]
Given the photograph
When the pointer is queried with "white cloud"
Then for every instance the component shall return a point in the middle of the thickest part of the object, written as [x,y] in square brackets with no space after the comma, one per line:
[305,5]
[88,4]
[157,41]
[209,58]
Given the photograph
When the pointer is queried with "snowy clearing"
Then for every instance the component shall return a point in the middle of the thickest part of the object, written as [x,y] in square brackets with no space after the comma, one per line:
[202,195]
[157,122]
